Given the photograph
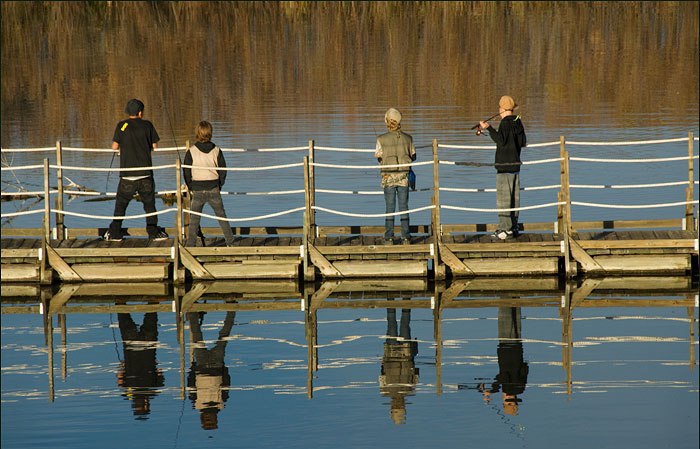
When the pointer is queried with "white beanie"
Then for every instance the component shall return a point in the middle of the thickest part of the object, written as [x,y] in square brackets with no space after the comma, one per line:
[392,115]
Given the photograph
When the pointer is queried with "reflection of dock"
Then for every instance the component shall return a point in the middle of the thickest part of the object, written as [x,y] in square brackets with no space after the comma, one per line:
[275,296]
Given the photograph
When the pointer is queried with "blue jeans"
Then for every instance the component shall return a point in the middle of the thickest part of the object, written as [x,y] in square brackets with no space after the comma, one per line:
[199,199]
[508,197]
[125,193]
[391,195]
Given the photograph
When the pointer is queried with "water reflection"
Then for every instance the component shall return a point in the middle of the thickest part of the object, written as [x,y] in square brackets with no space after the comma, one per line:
[478,336]
[209,377]
[512,375]
[399,374]
[139,376]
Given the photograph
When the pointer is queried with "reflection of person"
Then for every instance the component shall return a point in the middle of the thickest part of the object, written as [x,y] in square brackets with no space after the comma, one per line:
[512,369]
[399,373]
[135,138]
[209,377]
[138,373]
[509,138]
[204,184]
[395,147]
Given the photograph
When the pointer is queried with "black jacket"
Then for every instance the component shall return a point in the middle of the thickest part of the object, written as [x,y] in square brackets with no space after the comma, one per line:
[510,139]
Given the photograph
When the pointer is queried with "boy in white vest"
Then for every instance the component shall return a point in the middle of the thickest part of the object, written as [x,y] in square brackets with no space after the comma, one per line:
[204,181]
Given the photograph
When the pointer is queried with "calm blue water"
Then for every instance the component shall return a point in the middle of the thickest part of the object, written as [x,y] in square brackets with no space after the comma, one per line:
[633,377]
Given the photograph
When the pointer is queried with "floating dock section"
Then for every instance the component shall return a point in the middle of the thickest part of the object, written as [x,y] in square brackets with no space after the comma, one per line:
[311,250]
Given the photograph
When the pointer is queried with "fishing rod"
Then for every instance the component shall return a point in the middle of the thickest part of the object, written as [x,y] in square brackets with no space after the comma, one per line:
[477,127]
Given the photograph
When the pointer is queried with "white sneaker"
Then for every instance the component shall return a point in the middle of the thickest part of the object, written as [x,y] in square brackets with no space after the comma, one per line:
[160,235]
[501,235]
[108,237]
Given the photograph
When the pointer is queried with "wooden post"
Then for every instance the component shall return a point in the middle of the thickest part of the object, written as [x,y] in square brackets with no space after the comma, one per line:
[438,268]
[307,201]
[564,211]
[59,198]
[187,201]
[47,203]
[178,223]
[565,183]
[312,187]
[308,235]
[689,215]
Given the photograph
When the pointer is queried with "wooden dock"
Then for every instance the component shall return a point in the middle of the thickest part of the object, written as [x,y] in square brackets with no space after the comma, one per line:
[309,251]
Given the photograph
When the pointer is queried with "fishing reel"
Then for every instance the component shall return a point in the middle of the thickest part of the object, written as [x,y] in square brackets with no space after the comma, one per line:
[479,130]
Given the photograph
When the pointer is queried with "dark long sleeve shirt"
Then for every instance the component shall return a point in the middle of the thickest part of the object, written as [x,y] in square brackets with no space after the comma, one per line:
[510,139]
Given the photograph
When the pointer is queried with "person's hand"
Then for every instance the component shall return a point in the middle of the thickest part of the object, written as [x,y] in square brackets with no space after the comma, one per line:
[483,125]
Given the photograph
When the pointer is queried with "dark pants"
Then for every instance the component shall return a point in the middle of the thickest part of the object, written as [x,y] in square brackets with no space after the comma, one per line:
[125,193]
[508,197]
[199,199]
[392,195]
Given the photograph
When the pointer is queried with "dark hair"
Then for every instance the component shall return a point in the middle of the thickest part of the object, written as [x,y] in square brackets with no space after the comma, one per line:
[133,107]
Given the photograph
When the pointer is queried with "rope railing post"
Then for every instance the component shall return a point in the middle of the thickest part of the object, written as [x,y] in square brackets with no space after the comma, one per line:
[44,272]
[689,215]
[565,209]
[59,198]
[312,186]
[308,211]
[178,196]
[178,223]
[47,203]
[435,215]
[566,186]
[187,201]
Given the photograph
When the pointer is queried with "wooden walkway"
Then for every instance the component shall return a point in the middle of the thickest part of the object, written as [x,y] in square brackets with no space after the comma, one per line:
[562,248]
[274,256]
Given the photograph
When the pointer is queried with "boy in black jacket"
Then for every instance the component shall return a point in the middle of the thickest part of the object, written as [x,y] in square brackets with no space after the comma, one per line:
[510,139]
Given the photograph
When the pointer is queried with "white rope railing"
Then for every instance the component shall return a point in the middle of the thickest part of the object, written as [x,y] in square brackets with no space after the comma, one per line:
[633,206]
[364,192]
[71,167]
[26,212]
[273,150]
[512,209]
[278,192]
[364,167]
[34,193]
[648,160]
[627,186]
[639,142]
[21,167]
[268,167]
[350,214]
[471,190]
[493,147]
[259,217]
[27,150]
[491,164]
[344,150]
[114,217]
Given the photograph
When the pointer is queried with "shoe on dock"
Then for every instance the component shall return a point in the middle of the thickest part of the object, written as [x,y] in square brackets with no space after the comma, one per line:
[160,235]
[406,241]
[388,241]
[108,237]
